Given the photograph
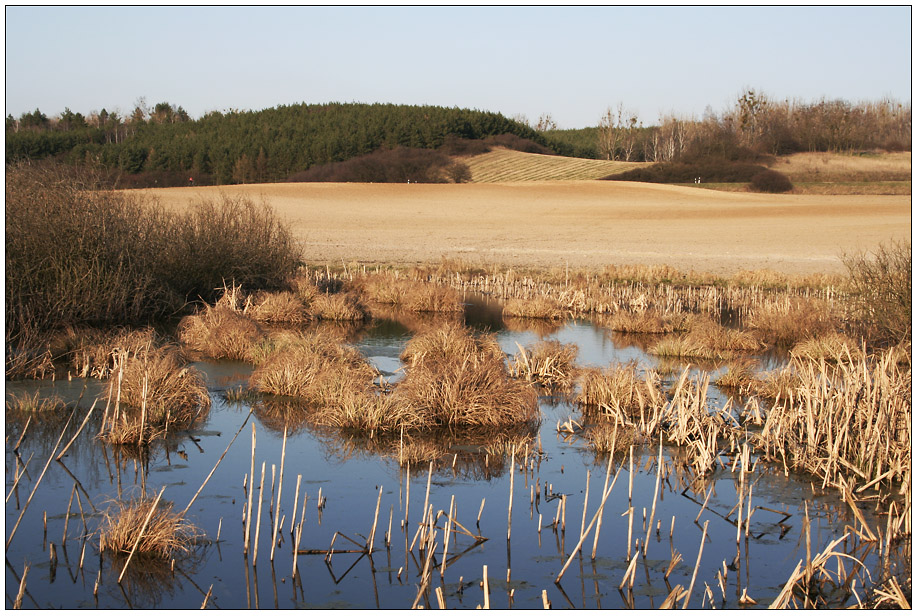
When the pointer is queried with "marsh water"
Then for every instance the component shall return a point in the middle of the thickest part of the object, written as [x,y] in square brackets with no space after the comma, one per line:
[350,471]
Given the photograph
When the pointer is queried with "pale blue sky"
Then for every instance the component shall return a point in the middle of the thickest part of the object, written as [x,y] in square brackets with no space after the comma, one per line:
[572,62]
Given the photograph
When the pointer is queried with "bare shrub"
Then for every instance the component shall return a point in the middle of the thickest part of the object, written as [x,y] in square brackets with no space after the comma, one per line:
[881,287]
[770,181]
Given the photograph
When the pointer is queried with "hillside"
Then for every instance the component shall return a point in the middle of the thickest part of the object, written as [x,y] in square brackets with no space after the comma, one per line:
[503,165]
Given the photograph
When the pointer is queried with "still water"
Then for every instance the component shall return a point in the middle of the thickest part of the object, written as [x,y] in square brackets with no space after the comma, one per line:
[351,471]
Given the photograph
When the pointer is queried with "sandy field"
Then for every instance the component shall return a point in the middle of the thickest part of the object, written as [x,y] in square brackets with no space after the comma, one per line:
[581,224]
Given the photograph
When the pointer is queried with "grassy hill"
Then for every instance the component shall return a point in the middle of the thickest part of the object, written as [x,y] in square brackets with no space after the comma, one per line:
[503,165]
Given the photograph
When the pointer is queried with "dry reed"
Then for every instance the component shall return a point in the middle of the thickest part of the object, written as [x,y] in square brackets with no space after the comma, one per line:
[548,363]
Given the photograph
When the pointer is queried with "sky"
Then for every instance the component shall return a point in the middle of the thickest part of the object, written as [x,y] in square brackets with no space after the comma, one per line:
[570,62]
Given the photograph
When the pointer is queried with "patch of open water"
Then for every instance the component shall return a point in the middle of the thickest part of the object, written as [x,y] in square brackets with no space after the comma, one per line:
[350,477]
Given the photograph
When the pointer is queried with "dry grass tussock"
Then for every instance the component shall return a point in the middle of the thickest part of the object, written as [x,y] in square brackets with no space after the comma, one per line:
[832,347]
[548,363]
[540,307]
[313,368]
[94,353]
[167,535]
[338,307]
[276,307]
[154,393]
[32,404]
[708,340]
[407,293]
[643,322]
[221,332]
[455,378]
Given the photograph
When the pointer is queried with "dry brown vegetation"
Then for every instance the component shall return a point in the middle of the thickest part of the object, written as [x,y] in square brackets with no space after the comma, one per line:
[151,394]
[547,363]
[167,535]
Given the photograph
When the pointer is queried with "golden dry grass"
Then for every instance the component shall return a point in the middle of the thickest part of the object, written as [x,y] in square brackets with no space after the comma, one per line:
[221,332]
[833,167]
[167,535]
[548,363]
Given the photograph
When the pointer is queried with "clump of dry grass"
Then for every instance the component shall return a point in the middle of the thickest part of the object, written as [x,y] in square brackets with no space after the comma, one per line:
[618,391]
[412,295]
[548,363]
[221,332]
[538,307]
[281,307]
[610,438]
[155,393]
[93,353]
[740,376]
[314,369]
[457,379]
[167,535]
[707,340]
[833,347]
[35,404]
[643,322]
[338,307]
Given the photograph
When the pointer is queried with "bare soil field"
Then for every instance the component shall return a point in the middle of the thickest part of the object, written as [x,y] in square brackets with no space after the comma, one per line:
[580,224]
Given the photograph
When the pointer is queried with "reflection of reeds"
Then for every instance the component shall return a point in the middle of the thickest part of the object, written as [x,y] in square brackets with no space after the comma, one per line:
[548,363]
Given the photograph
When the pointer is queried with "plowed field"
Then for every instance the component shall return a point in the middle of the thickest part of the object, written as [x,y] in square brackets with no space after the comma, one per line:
[576,223]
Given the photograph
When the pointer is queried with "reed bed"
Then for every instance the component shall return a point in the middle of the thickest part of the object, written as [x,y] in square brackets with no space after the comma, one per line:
[643,322]
[154,393]
[849,424]
[94,353]
[792,320]
[277,307]
[166,535]
[547,363]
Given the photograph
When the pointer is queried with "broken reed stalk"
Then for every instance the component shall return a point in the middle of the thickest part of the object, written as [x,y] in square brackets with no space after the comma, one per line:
[296,497]
[375,519]
[299,529]
[656,492]
[82,425]
[67,515]
[510,505]
[261,488]
[601,508]
[219,460]
[37,483]
[546,604]
[248,509]
[280,487]
[583,535]
[389,532]
[446,531]
[17,604]
[629,572]
[704,533]
[487,589]
[704,504]
[143,529]
[480,509]
[586,498]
